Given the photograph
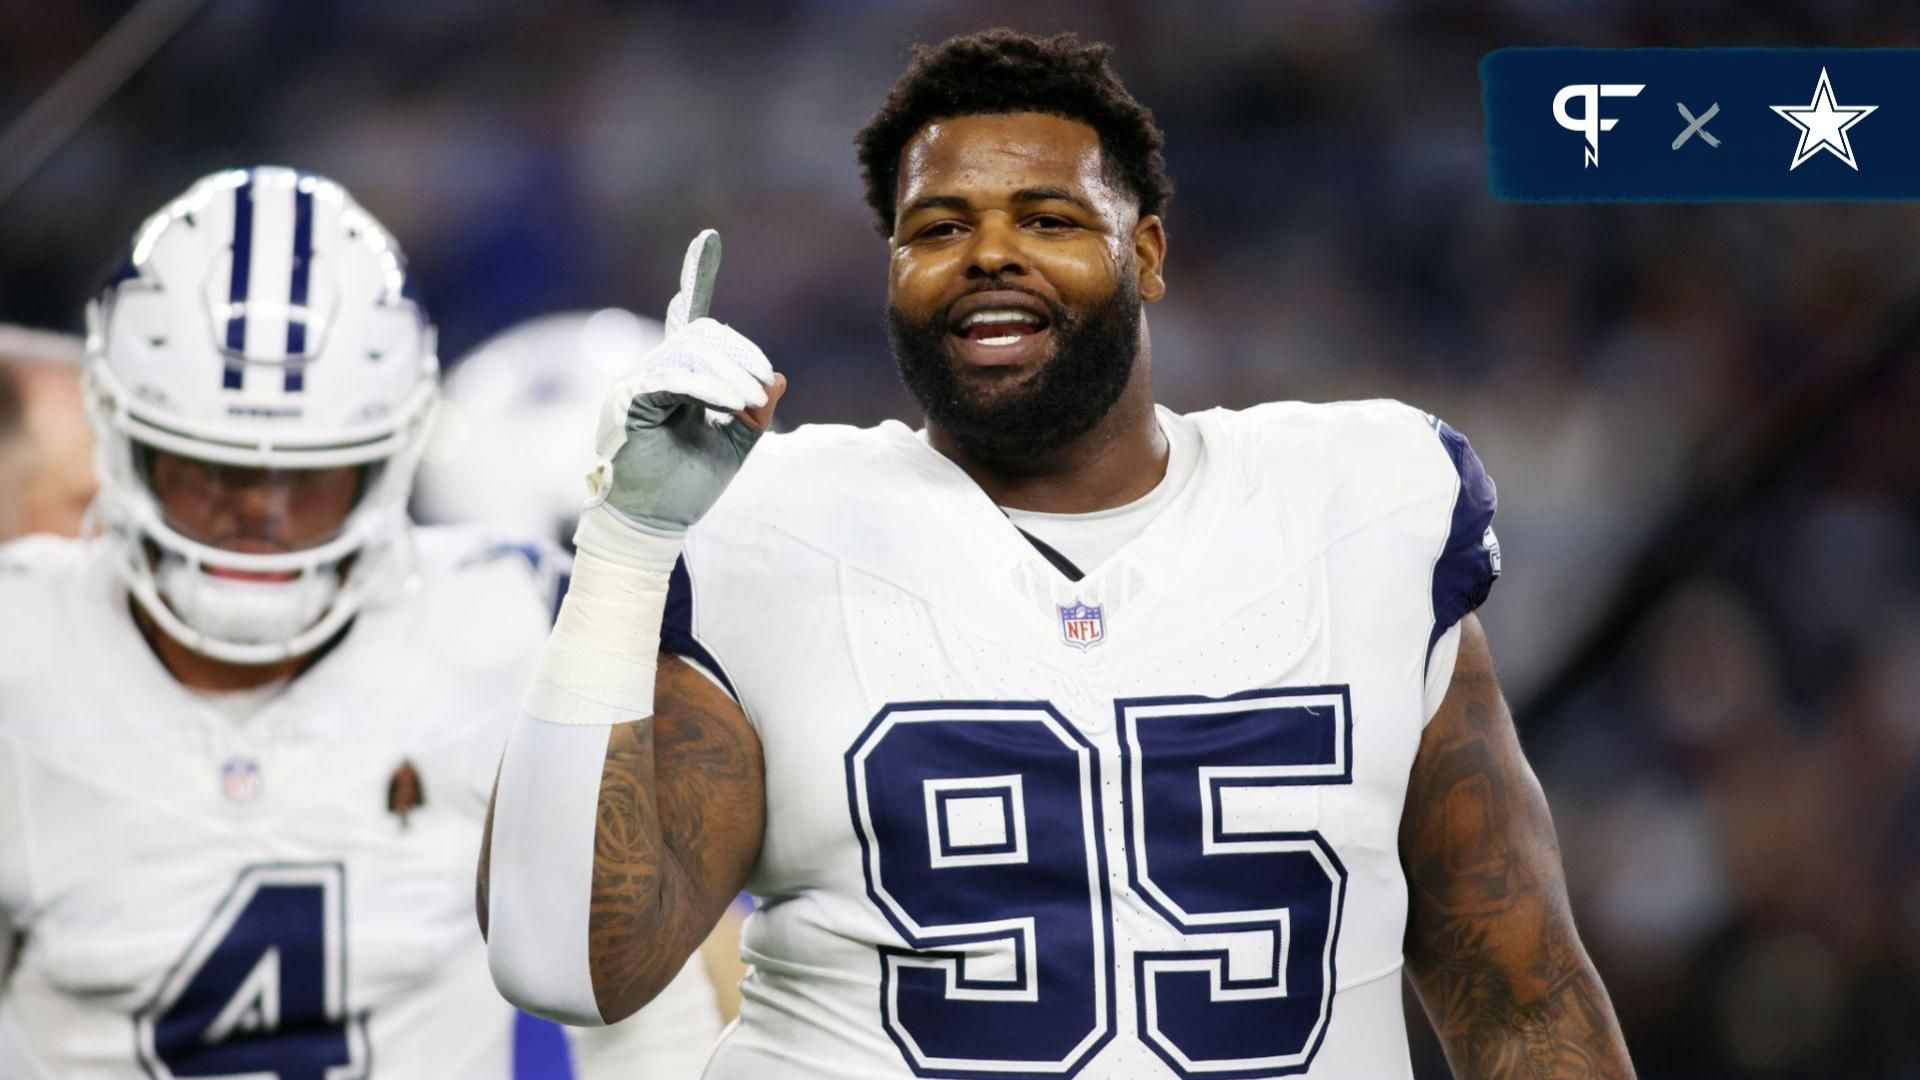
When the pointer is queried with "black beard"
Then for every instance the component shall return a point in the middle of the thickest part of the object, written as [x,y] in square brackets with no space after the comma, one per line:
[1093,356]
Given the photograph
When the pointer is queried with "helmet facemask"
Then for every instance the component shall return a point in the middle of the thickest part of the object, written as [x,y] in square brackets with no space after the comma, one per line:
[265,587]
[254,564]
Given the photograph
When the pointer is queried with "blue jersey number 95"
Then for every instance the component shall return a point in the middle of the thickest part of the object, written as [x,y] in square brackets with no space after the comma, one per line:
[984,845]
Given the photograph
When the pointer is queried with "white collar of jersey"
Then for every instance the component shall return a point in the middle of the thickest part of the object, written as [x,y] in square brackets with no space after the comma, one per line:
[1180,462]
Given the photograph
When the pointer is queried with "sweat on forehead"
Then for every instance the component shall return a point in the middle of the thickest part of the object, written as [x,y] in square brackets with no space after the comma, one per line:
[1001,157]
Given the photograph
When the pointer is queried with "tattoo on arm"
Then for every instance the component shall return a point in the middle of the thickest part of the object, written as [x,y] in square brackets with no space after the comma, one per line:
[1491,943]
[682,807]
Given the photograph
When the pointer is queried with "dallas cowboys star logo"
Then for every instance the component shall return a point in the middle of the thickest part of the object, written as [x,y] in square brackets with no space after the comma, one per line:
[1823,125]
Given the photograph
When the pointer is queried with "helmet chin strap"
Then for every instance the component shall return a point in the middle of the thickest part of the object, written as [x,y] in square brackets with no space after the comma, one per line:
[256,622]
[241,611]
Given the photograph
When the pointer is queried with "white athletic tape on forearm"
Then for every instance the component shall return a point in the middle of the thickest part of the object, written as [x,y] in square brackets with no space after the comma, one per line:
[540,868]
[599,663]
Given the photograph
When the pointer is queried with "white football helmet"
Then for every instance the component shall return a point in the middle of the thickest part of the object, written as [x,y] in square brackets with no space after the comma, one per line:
[262,320]
[514,442]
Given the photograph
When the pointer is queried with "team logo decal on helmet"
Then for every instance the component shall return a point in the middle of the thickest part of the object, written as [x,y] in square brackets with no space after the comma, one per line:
[260,326]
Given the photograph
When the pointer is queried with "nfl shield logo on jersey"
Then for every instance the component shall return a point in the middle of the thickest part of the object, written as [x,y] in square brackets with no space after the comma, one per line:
[1081,625]
[240,780]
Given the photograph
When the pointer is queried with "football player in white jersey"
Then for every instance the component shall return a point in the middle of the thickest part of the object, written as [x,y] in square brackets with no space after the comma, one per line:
[1067,737]
[247,734]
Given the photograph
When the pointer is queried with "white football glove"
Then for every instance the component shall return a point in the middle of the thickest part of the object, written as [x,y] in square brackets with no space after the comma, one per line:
[671,436]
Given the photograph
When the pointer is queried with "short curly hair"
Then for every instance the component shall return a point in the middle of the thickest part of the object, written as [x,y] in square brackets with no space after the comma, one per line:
[1002,71]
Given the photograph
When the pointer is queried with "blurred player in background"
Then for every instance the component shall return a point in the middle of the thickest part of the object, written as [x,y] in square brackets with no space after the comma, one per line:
[509,448]
[46,450]
[1070,736]
[246,736]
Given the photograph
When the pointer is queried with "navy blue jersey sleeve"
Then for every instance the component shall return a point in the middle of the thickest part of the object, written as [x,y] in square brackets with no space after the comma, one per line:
[676,626]
[1470,559]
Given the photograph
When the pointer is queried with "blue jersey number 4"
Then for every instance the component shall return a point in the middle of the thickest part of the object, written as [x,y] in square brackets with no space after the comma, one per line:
[983,844]
[261,990]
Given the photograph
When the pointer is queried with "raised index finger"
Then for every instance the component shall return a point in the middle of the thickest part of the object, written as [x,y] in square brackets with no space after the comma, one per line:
[697,275]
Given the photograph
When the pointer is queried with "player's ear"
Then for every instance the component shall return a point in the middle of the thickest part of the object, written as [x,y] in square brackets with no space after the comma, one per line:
[1149,255]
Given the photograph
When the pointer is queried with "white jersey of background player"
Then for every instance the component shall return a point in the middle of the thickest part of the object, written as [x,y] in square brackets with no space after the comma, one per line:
[1126,798]
[246,737]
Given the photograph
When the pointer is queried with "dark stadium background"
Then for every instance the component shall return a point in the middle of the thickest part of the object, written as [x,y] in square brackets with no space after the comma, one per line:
[1707,451]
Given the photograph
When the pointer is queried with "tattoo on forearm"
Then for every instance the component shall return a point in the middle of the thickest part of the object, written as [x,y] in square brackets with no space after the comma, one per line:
[1491,943]
[670,836]
[630,882]
[1489,1033]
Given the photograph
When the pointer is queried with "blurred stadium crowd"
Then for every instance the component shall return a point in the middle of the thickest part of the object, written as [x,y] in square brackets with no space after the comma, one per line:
[1736,787]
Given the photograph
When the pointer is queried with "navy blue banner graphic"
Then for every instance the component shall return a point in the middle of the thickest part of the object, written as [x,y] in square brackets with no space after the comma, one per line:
[1701,125]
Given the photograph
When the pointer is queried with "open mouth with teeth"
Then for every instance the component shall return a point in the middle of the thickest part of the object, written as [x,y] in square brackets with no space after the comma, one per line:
[1000,329]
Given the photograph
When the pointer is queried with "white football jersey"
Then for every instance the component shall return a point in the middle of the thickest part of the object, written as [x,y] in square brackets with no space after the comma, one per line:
[278,892]
[1142,824]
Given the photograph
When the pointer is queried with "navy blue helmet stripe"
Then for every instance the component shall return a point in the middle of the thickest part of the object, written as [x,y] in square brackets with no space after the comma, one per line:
[123,271]
[297,294]
[237,280]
